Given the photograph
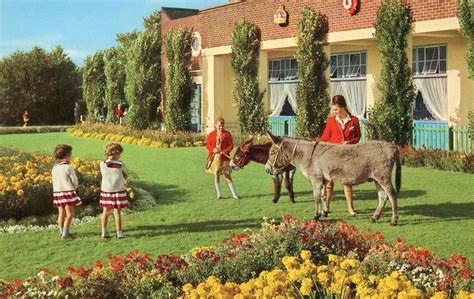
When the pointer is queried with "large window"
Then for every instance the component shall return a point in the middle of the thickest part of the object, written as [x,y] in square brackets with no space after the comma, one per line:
[429,60]
[348,65]
[282,70]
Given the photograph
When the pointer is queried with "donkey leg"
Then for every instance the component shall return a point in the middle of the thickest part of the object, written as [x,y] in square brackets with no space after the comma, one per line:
[288,175]
[382,200]
[392,196]
[317,185]
[276,187]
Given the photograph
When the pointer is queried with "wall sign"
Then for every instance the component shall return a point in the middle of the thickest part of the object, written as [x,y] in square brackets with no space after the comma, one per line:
[352,6]
[281,16]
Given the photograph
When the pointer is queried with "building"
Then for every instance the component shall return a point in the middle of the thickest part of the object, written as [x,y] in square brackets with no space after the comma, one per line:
[436,51]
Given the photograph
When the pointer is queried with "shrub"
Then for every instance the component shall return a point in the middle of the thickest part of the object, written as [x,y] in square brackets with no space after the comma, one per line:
[35,129]
[438,159]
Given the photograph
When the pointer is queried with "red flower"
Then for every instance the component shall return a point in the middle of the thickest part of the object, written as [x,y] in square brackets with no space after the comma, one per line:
[45,270]
[98,264]
[66,282]
[70,269]
[465,273]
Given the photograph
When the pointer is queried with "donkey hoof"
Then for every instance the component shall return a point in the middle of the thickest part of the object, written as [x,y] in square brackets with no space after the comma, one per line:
[316,218]
[292,200]
[372,219]
[275,200]
[393,223]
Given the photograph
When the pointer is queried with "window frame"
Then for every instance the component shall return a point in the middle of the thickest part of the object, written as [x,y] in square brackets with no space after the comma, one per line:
[284,66]
[344,64]
[417,63]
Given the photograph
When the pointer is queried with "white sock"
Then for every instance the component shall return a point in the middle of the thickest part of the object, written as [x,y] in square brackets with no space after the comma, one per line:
[61,231]
[119,234]
[218,189]
[104,231]
[232,190]
[65,232]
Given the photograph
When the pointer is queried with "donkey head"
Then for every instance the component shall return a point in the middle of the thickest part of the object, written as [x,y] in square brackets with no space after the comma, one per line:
[278,157]
[241,156]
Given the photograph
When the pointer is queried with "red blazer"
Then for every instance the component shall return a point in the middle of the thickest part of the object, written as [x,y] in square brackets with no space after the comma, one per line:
[335,133]
[226,144]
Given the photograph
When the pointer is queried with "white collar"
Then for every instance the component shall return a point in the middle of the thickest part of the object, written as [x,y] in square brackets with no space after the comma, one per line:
[344,121]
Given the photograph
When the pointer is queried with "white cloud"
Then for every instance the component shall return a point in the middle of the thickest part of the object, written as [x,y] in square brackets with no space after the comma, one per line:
[40,40]
[77,54]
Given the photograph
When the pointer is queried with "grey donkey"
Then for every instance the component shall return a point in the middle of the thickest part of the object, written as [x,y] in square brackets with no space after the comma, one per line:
[351,165]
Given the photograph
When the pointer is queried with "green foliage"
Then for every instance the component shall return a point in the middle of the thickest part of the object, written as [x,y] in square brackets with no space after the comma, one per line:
[94,83]
[470,128]
[143,74]
[438,159]
[179,84]
[40,82]
[311,91]
[246,93]
[391,118]
[114,70]
[466,19]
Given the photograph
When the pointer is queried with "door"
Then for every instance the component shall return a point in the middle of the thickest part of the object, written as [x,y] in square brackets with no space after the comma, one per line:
[196,110]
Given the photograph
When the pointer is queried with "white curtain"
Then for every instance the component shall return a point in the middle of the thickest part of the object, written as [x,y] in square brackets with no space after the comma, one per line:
[355,93]
[435,95]
[278,94]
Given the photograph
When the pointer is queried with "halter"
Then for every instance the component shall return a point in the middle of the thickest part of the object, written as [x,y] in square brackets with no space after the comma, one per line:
[272,164]
[239,163]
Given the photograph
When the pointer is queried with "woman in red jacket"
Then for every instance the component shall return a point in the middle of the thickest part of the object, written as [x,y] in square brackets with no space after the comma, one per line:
[219,145]
[342,128]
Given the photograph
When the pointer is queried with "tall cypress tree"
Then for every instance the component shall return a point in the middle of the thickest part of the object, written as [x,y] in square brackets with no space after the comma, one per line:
[392,119]
[93,84]
[311,91]
[114,70]
[466,19]
[246,92]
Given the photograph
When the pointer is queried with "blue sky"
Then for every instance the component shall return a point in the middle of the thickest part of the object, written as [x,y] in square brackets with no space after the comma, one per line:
[81,27]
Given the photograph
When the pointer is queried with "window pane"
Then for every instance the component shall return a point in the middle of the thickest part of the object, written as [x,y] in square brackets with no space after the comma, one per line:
[413,66]
[355,59]
[294,64]
[421,66]
[432,53]
[421,54]
[363,58]
[415,56]
[363,70]
[442,52]
[346,59]
[442,67]
[346,71]
[339,60]
[340,72]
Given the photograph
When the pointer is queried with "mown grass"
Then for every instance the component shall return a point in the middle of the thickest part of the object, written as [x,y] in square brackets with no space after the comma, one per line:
[436,209]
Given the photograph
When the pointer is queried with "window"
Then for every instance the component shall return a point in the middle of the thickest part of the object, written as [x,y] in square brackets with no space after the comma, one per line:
[283,69]
[348,65]
[429,60]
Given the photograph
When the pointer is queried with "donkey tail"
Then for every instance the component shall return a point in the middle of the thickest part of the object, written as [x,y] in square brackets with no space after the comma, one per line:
[398,171]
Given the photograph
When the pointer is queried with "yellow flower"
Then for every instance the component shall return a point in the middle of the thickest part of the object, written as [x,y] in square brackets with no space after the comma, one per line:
[323,277]
[187,288]
[290,262]
[305,254]
[333,259]
[440,295]
[20,193]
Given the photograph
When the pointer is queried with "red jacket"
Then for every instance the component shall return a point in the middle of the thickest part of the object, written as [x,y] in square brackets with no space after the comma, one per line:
[335,133]
[226,144]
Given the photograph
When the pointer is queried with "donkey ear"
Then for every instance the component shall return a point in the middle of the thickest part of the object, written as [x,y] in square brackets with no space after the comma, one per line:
[273,138]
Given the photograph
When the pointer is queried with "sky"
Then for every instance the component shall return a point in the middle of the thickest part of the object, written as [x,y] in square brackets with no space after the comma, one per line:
[80,27]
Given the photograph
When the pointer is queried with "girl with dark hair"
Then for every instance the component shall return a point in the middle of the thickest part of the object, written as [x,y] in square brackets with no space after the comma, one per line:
[341,128]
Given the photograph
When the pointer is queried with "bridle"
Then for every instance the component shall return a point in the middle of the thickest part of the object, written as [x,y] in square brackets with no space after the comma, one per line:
[241,162]
[280,146]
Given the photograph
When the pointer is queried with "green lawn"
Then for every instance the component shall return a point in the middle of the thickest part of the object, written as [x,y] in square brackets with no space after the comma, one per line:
[436,208]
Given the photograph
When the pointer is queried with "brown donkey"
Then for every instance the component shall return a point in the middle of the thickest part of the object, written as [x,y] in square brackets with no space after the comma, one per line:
[247,151]
[347,164]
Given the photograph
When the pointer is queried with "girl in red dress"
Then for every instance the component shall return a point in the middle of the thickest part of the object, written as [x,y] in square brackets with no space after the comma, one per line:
[219,145]
[341,128]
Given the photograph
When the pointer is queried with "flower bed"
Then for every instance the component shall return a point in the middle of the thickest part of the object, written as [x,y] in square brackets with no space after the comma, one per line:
[26,188]
[152,138]
[33,129]
[454,161]
[291,258]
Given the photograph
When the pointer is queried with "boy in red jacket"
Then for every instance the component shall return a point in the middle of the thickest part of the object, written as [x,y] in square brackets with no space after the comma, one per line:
[342,128]
[219,145]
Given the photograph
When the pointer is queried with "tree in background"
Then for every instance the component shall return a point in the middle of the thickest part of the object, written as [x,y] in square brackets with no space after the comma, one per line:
[246,92]
[391,118]
[311,91]
[142,85]
[179,86]
[114,70]
[44,83]
[466,18]
[94,83]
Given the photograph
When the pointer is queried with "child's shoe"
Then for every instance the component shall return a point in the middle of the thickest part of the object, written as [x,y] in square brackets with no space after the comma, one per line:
[120,235]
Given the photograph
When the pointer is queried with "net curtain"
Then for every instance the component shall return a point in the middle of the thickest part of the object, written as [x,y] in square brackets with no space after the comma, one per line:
[279,92]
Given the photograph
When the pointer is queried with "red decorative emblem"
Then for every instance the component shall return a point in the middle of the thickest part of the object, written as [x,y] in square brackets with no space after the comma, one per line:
[281,16]
[351,5]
